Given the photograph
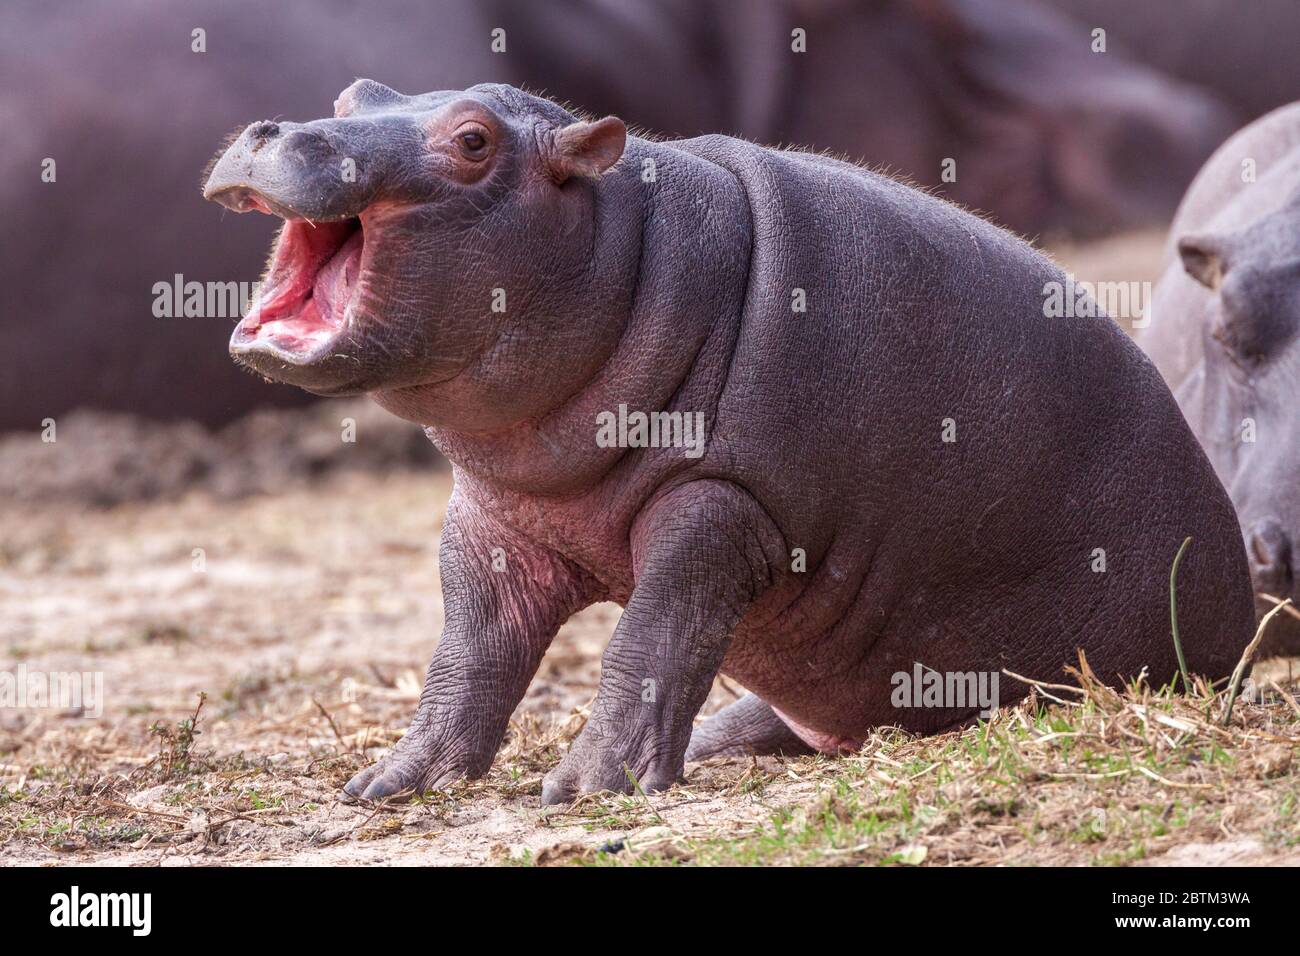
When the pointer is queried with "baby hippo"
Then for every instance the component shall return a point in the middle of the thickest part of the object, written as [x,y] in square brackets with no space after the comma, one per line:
[1226,335]
[810,427]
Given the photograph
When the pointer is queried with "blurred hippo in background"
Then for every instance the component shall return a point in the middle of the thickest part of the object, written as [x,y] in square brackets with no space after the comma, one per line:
[1245,52]
[115,96]
[1045,136]
[1225,333]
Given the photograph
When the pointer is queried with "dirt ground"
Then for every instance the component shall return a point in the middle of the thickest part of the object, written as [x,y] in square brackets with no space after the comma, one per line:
[304,604]
[308,628]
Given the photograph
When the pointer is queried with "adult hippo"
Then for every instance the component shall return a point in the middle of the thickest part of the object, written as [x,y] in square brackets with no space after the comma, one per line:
[125,99]
[1000,105]
[1225,333]
[1245,53]
[809,426]
[109,109]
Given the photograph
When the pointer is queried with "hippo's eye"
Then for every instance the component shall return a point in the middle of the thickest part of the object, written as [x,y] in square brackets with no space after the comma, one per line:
[472,143]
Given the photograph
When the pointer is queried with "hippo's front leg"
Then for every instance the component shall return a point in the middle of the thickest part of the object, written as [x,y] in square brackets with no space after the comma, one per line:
[505,599]
[702,553]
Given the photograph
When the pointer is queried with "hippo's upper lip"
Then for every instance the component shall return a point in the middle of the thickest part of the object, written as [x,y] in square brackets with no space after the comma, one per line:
[243,197]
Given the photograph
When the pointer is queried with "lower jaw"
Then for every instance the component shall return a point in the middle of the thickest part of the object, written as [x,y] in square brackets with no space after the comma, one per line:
[324,372]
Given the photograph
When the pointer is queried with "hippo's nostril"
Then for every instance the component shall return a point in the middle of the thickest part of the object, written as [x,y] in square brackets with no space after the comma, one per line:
[307,145]
[263,130]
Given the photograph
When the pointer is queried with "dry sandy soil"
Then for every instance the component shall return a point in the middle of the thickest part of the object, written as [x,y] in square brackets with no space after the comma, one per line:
[307,628]
[310,617]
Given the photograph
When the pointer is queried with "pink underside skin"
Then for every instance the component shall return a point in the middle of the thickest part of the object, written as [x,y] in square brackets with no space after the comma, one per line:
[310,282]
[822,743]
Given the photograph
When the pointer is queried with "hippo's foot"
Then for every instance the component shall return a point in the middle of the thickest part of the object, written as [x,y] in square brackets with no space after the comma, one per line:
[417,763]
[497,630]
[706,550]
[747,728]
[597,762]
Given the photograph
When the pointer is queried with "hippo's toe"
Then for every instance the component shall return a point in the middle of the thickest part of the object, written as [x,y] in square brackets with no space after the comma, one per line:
[591,769]
[412,771]
[553,792]
[356,787]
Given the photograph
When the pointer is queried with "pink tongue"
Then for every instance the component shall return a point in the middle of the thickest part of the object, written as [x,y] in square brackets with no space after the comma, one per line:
[334,281]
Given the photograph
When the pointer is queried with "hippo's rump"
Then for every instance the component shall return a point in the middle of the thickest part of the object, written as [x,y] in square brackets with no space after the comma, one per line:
[953,459]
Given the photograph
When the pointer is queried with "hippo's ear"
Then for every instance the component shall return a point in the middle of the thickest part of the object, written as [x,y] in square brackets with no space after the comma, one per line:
[363,95]
[585,149]
[1202,259]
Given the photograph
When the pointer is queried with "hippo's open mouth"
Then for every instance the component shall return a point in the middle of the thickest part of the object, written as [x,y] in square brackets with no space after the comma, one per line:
[303,301]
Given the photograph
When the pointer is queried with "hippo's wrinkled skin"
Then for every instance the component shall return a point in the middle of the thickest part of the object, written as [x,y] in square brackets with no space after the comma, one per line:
[675,291]
[1225,333]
